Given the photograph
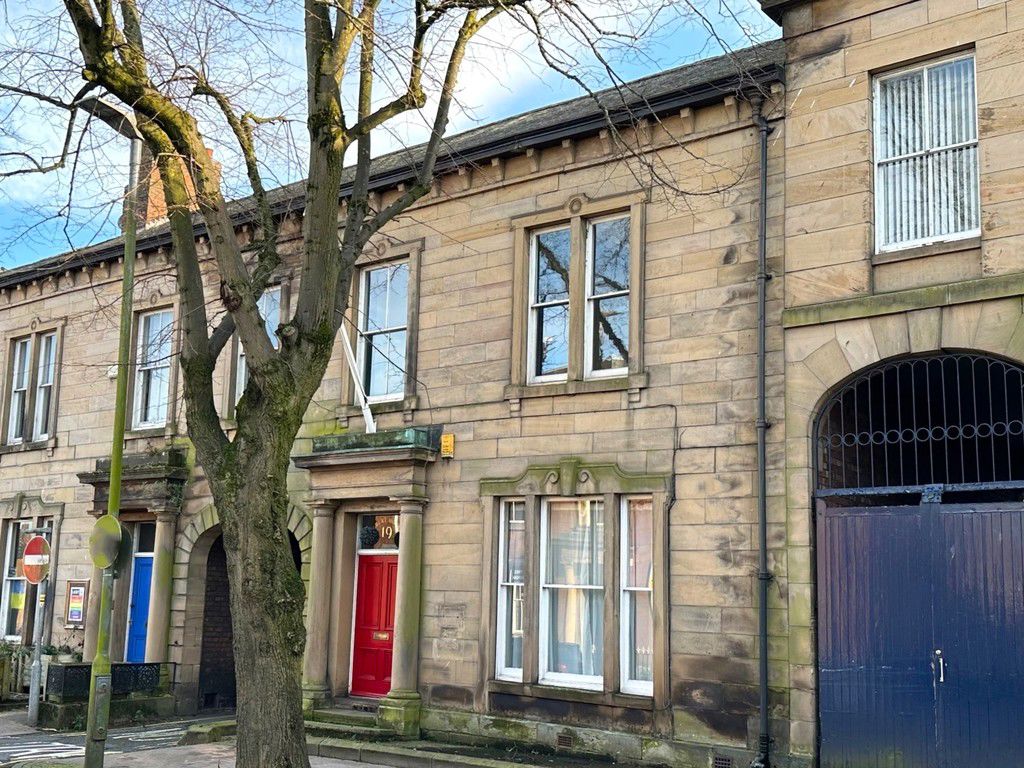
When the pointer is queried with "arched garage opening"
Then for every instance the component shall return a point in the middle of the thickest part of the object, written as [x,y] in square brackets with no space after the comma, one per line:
[920,564]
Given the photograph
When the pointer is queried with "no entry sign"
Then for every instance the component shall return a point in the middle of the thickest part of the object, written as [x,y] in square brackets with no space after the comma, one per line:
[37,559]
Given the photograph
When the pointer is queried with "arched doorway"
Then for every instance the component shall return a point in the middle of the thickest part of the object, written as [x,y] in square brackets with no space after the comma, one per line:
[217,664]
[920,564]
[217,660]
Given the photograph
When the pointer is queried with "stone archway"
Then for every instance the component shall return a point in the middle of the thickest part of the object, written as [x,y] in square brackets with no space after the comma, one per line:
[919,554]
[199,557]
[820,355]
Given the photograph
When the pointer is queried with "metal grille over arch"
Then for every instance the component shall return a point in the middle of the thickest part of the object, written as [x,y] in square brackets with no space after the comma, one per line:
[948,419]
[919,555]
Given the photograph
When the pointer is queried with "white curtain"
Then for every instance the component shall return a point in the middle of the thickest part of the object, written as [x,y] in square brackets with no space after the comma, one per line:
[927,154]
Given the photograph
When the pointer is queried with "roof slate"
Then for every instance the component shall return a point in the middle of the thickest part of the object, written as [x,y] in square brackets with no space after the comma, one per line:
[693,84]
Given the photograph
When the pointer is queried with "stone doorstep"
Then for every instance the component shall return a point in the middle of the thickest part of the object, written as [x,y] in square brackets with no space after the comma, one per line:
[342,716]
[406,755]
[339,726]
[369,732]
[327,739]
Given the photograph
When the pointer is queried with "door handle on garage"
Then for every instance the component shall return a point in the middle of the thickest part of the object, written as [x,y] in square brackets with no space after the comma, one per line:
[941,663]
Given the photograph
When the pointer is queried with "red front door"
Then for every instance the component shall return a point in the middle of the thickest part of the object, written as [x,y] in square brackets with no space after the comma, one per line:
[375,625]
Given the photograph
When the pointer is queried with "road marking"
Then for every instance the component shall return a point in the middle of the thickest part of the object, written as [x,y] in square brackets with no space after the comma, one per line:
[169,736]
[45,750]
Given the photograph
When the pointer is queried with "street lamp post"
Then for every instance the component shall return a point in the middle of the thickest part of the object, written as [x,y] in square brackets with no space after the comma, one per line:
[100,683]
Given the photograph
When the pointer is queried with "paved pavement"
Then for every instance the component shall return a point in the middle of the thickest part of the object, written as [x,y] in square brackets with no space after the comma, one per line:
[221,755]
[19,741]
[145,746]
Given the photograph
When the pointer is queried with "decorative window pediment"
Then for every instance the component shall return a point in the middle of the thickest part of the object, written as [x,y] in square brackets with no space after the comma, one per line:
[574,477]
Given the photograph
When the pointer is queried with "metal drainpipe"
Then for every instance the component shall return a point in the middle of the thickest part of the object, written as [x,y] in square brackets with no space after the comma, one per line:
[764,576]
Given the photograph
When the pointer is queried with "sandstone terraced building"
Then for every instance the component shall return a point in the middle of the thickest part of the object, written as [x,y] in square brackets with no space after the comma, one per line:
[563,352]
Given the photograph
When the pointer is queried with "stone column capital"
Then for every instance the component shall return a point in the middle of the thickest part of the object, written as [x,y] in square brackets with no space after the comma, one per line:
[322,507]
[410,505]
[166,515]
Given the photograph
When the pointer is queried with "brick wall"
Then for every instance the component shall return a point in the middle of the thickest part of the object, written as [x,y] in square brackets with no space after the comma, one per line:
[217,665]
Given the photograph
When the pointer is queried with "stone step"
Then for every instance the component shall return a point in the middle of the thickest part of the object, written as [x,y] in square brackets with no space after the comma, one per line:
[333,730]
[406,754]
[344,716]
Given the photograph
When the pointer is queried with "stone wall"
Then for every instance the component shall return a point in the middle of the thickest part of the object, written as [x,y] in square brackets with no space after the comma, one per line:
[847,307]
[693,415]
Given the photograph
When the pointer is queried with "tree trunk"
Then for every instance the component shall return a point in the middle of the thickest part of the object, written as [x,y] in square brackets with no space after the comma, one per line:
[266,591]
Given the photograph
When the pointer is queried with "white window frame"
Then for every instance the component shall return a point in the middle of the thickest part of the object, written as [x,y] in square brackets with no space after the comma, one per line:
[532,377]
[626,683]
[143,370]
[501,672]
[21,363]
[546,677]
[591,300]
[365,335]
[880,212]
[15,529]
[241,367]
[47,362]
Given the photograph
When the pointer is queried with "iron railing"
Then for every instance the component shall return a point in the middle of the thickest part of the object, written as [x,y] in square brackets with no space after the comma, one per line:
[944,419]
[70,682]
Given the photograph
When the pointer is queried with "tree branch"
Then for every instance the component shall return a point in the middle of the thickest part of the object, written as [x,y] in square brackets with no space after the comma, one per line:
[470,26]
[61,160]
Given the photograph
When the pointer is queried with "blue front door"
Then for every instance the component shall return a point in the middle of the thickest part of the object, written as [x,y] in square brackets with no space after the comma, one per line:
[138,609]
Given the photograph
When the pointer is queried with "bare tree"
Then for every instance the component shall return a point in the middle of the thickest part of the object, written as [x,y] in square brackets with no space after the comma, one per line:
[159,62]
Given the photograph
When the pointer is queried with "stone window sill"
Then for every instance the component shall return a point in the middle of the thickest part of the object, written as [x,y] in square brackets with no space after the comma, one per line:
[632,382]
[145,432]
[35,445]
[923,251]
[406,405]
[538,691]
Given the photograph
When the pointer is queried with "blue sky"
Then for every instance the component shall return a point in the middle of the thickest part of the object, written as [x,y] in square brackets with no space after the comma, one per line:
[34,220]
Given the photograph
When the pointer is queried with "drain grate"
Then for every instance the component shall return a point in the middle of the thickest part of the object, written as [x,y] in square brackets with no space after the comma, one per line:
[721,761]
[566,741]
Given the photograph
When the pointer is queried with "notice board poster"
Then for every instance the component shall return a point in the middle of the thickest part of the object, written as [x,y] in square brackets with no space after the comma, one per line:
[77,599]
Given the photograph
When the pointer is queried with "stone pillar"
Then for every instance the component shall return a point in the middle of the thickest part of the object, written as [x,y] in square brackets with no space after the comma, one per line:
[400,709]
[158,621]
[318,605]
[92,614]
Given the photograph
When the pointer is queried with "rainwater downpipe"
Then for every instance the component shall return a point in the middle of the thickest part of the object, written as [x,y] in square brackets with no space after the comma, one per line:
[764,576]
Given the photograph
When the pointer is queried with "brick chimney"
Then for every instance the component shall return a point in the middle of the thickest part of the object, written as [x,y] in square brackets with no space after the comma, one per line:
[150,205]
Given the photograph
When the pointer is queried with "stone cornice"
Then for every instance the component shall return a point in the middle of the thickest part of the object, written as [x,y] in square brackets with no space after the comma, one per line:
[152,481]
[367,456]
[963,292]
